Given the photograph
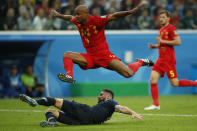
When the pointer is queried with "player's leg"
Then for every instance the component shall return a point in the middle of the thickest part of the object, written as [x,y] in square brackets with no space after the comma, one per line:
[68,59]
[155,76]
[182,83]
[45,101]
[51,118]
[121,68]
[172,75]
[129,71]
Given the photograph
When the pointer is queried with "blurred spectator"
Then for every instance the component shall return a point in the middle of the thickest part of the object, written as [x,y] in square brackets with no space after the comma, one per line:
[54,21]
[190,5]
[144,20]
[1,87]
[14,5]
[156,19]
[66,25]
[111,4]
[176,5]
[70,5]
[10,22]
[128,22]
[189,21]
[3,12]
[40,21]
[175,19]
[29,80]
[24,21]
[112,25]
[97,8]
[13,84]
[44,6]
[156,7]
[28,6]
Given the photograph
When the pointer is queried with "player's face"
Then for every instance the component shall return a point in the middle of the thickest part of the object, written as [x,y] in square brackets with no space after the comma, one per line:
[163,19]
[80,16]
[102,96]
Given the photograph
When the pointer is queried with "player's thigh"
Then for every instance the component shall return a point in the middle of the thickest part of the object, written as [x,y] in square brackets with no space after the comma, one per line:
[120,67]
[77,58]
[155,76]
[66,119]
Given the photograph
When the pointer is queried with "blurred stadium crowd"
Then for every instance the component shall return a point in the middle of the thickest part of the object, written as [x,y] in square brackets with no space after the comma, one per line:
[34,14]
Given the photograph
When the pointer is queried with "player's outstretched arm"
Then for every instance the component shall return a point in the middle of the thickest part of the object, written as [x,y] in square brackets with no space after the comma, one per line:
[126,110]
[118,15]
[65,17]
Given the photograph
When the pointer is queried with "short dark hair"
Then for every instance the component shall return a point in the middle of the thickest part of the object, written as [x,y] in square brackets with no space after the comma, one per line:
[163,11]
[109,91]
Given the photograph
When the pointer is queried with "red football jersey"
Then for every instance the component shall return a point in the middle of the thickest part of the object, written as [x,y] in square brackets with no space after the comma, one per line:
[166,52]
[93,35]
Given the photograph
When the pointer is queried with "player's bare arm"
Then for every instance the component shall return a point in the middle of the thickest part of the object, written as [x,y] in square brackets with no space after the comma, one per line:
[118,15]
[126,110]
[152,46]
[65,17]
[176,41]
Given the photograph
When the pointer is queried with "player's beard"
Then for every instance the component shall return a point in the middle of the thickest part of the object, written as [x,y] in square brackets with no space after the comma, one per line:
[100,100]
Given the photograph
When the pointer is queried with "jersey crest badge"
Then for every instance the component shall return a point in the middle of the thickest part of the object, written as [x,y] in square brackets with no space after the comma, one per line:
[104,16]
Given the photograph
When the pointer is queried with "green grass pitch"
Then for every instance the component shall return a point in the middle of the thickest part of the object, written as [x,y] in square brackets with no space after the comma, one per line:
[19,116]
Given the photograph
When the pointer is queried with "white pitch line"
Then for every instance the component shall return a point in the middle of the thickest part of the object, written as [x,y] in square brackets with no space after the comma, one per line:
[20,110]
[7,110]
[167,115]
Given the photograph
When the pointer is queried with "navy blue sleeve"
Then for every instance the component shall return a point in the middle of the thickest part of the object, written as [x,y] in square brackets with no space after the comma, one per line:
[114,103]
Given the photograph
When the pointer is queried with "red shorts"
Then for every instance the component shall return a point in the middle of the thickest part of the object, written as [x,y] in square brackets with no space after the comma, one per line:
[98,61]
[164,67]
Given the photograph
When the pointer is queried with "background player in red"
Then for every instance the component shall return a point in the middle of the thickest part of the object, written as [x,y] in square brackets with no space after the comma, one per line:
[166,63]
[91,29]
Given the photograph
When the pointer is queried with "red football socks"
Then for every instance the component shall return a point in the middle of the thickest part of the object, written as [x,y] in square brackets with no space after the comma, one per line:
[68,65]
[187,83]
[135,66]
[155,94]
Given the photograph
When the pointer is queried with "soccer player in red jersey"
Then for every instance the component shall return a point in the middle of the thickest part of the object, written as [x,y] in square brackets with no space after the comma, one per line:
[91,29]
[166,63]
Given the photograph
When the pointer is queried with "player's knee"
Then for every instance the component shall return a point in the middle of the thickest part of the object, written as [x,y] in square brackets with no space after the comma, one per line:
[49,110]
[153,80]
[58,103]
[56,113]
[174,84]
[127,74]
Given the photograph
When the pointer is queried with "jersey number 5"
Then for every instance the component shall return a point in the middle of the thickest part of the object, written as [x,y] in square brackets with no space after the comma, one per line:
[172,73]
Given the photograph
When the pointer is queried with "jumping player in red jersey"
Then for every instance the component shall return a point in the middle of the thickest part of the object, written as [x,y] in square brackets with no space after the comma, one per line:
[91,29]
[166,63]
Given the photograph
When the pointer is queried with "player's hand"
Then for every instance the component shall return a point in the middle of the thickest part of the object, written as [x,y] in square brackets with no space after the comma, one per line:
[135,115]
[151,46]
[143,3]
[54,13]
[158,39]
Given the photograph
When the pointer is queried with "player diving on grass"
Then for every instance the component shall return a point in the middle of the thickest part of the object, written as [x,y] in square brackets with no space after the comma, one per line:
[73,113]
[91,29]
[166,63]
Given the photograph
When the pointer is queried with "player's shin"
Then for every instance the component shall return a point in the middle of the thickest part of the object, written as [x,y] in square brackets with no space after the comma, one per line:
[155,94]
[46,101]
[135,66]
[68,66]
[187,83]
